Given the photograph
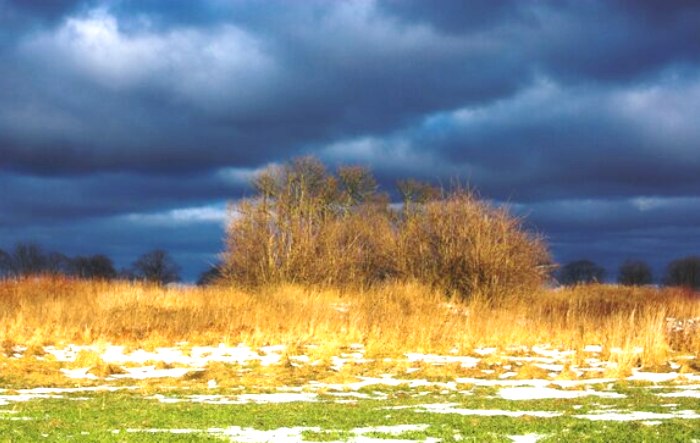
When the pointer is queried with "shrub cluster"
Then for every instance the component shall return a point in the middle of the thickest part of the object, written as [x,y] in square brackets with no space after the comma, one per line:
[310,226]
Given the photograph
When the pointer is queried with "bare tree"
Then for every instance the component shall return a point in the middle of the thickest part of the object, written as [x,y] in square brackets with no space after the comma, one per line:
[684,272]
[5,263]
[581,272]
[32,259]
[57,263]
[210,276]
[416,192]
[28,259]
[94,267]
[156,266]
[358,185]
[308,225]
[634,273]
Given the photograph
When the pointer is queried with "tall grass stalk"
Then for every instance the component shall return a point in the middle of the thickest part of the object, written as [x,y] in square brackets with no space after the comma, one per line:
[390,319]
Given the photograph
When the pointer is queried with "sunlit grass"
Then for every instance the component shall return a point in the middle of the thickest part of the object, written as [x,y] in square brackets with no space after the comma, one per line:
[631,324]
[137,416]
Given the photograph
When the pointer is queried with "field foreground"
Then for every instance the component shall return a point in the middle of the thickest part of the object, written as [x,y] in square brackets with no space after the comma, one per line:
[90,361]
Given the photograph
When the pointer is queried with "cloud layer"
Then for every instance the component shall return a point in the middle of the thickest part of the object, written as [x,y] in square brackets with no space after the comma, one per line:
[115,115]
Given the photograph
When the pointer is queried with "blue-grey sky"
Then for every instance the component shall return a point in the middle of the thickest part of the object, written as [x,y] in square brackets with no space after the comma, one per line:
[127,125]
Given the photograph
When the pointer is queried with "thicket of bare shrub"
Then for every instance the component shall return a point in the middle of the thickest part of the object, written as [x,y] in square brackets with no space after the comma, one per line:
[307,225]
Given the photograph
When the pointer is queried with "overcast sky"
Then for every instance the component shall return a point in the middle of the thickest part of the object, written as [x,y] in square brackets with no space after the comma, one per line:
[128,124]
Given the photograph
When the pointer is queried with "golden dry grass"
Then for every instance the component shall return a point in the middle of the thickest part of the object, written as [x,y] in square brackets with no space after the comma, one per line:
[388,320]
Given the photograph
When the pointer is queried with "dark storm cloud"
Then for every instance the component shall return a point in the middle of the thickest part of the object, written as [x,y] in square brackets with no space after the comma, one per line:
[123,112]
[598,40]
[548,142]
[37,200]
[455,16]
[19,10]
[41,8]
[221,85]
[19,17]
[609,143]
[246,97]
[616,215]
[619,41]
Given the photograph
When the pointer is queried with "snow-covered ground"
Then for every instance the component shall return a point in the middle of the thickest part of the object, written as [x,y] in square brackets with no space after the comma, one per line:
[489,364]
[563,375]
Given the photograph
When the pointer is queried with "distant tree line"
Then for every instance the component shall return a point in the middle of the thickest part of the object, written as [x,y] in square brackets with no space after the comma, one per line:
[27,259]
[683,272]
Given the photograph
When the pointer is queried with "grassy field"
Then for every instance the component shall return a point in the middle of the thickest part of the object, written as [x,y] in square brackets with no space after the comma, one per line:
[398,414]
[394,318]
[118,361]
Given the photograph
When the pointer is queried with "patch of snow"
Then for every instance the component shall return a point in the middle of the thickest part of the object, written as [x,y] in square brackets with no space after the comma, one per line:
[485,351]
[509,374]
[552,353]
[69,353]
[593,348]
[654,377]
[79,373]
[300,358]
[163,399]
[692,377]
[337,363]
[250,435]
[199,356]
[534,382]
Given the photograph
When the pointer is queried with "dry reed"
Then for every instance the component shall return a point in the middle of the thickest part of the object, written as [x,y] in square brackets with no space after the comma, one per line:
[633,325]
